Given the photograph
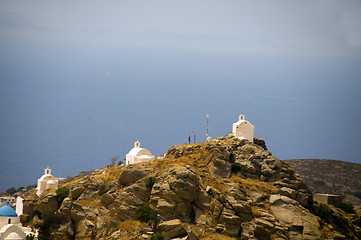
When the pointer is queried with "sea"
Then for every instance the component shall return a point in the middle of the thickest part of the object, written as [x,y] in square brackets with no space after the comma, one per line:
[78,109]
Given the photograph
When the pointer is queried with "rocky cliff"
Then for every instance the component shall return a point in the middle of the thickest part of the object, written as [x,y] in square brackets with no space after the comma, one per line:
[223,189]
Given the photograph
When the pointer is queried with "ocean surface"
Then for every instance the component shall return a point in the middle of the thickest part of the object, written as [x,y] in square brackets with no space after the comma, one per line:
[75,110]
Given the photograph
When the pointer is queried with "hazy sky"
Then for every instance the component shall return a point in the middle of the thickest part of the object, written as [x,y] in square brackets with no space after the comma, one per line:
[321,27]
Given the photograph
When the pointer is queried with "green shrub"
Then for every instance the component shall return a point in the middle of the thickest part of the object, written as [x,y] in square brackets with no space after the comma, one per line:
[357,194]
[231,158]
[30,187]
[236,167]
[35,213]
[30,237]
[11,191]
[69,179]
[347,207]
[157,236]
[48,219]
[150,181]
[145,212]
[324,211]
[62,193]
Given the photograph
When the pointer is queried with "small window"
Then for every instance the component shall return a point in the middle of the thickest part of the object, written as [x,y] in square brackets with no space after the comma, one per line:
[9,222]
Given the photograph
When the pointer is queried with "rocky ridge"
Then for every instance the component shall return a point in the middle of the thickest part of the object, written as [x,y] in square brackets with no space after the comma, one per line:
[223,189]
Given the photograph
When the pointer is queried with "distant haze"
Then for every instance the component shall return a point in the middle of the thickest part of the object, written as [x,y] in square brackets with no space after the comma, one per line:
[80,81]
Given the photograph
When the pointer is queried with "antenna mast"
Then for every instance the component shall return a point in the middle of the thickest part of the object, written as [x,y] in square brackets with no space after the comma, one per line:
[207,137]
[207,125]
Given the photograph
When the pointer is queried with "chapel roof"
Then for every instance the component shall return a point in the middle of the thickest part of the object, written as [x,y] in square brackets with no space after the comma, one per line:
[7,211]
[135,151]
[242,121]
[49,176]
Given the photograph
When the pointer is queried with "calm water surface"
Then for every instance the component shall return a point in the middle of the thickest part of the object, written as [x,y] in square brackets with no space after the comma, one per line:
[74,111]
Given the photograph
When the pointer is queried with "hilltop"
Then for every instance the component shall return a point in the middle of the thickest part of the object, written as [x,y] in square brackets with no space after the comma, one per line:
[223,189]
[331,176]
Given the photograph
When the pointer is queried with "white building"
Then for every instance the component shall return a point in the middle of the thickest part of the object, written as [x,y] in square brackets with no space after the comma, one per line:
[138,154]
[10,226]
[7,200]
[19,206]
[46,182]
[243,129]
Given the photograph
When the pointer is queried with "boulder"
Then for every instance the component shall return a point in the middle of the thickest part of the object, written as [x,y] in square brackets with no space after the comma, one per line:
[219,168]
[174,193]
[247,168]
[48,202]
[65,231]
[216,209]
[126,202]
[184,183]
[76,192]
[106,199]
[84,229]
[172,229]
[231,223]
[260,142]
[131,173]
[191,234]
[202,200]
[300,222]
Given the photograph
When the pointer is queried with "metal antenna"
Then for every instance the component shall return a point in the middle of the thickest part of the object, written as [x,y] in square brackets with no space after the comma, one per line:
[207,126]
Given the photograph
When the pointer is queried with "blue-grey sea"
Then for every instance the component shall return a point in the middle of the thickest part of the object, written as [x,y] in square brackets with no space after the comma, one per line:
[75,110]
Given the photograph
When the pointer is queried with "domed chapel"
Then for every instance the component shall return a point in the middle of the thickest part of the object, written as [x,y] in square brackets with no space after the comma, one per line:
[138,154]
[46,182]
[10,226]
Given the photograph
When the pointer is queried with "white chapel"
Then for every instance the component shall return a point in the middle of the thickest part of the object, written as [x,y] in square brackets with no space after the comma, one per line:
[243,129]
[46,182]
[138,154]
[10,226]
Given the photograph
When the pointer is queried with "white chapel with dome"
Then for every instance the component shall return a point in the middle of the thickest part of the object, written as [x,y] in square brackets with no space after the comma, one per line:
[46,182]
[10,226]
[138,154]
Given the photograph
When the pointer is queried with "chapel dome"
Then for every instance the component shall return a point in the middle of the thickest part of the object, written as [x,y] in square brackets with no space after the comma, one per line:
[13,236]
[7,211]
[51,183]
[139,152]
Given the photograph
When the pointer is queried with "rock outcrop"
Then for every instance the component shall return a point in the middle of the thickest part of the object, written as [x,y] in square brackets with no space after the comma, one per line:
[223,187]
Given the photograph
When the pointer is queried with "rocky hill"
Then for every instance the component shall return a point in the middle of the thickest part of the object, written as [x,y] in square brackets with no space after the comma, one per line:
[331,176]
[223,189]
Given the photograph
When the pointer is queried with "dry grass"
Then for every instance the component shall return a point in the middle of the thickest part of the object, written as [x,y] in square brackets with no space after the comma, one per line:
[196,160]
[110,174]
[217,236]
[130,226]
[70,183]
[252,185]
[130,229]
[93,203]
